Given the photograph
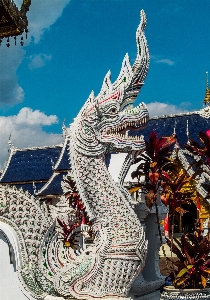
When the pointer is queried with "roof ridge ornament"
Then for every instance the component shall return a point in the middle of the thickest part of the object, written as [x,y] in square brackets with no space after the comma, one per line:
[187,132]
[13,22]
[175,127]
[64,129]
[207,93]
[12,147]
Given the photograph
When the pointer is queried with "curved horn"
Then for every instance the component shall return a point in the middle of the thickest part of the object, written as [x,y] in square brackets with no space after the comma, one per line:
[141,64]
[130,79]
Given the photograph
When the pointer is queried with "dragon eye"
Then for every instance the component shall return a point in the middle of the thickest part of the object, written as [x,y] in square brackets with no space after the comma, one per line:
[113,110]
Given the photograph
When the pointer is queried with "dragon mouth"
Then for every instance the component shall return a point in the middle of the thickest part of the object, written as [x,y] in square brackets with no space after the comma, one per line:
[132,125]
[120,132]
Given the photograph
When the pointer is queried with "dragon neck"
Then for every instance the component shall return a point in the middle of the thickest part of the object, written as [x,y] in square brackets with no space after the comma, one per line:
[102,197]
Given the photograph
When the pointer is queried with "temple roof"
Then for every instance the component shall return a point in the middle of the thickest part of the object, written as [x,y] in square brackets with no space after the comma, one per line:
[192,122]
[53,186]
[29,166]
[39,170]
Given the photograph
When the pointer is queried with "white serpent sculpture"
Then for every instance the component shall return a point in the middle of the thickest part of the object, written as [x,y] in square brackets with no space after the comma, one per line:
[117,255]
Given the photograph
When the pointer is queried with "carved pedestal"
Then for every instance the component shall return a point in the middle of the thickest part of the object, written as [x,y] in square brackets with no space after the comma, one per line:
[147,284]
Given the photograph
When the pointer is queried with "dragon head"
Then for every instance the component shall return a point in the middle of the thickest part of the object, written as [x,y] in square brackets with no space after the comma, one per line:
[107,118]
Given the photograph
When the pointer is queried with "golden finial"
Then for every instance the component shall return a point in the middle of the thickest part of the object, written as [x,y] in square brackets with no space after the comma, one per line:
[207,94]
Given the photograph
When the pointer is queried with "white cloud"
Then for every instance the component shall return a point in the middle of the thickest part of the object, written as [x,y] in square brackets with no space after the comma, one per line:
[38,60]
[159,109]
[160,60]
[29,117]
[10,92]
[41,16]
[26,131]
[165,61]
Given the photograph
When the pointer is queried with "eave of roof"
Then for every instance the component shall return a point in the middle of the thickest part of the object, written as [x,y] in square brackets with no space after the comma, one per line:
[53,186]
[63,162]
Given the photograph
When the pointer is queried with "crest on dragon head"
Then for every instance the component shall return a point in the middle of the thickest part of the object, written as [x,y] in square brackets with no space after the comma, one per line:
[107,118]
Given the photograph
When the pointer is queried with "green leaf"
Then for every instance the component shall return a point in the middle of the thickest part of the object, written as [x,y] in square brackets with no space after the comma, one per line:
[182,272]
[189,267]
[180,281]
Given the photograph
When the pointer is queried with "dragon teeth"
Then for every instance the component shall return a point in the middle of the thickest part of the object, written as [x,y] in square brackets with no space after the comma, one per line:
[116,134]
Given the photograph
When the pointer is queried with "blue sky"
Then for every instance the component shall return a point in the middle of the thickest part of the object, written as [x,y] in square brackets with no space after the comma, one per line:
[73,43]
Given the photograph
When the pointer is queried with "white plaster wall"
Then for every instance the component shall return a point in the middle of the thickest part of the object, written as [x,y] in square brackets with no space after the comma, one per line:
[9,282]
[115,166]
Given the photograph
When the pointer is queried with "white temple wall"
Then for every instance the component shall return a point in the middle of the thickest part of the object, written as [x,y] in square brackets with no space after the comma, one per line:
[9,282]
[115,166]
[10,260]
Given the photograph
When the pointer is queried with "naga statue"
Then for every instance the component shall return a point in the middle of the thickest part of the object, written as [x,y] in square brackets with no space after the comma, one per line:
[108,267]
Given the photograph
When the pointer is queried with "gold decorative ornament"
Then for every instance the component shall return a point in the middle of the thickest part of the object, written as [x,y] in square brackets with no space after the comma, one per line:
[207,94]
[13,22]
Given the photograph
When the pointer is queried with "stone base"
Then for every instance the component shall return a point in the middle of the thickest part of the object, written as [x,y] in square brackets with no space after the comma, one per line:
[146,290]
[185,294]
[151,296]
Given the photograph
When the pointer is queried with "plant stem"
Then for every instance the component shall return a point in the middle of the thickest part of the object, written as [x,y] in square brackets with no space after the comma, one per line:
[160,234]
[172,240]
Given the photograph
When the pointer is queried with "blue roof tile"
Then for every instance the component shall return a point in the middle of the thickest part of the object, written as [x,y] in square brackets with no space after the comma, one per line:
[164,126]
[54,186]
[31,164]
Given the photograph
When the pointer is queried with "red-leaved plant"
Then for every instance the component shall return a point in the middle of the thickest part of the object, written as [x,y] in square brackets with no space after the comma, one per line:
[167,177]
[70,230]
[151,165]
[69,233]
[192,268]
[202,150]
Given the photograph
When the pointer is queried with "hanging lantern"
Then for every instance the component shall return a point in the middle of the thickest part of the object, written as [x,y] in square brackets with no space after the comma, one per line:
[13,22]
